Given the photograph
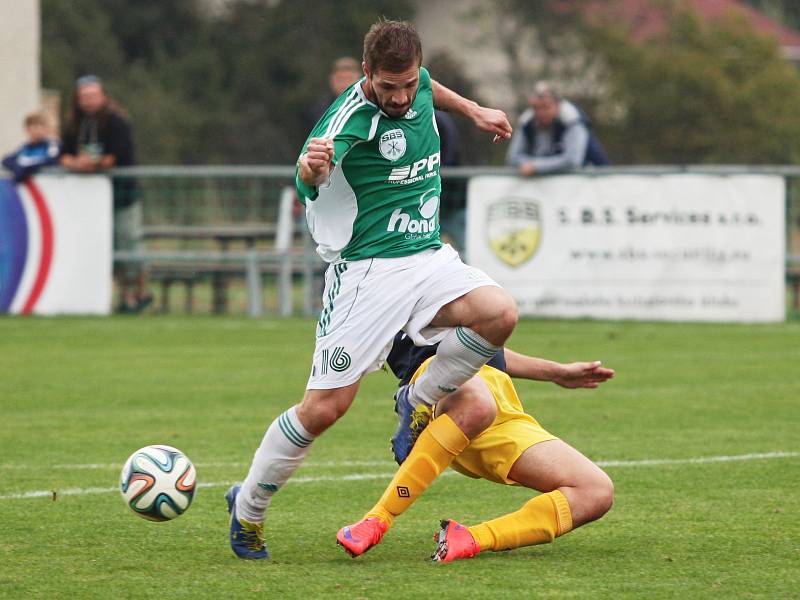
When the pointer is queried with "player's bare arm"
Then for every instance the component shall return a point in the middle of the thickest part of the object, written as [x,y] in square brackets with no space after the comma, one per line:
[315,164]
[569,375]
[491,120]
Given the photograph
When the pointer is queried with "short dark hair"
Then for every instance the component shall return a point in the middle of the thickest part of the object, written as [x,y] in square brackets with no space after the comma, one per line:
[35,118]
[392,46]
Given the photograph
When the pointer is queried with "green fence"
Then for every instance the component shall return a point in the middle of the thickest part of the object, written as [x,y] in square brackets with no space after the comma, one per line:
[233,240]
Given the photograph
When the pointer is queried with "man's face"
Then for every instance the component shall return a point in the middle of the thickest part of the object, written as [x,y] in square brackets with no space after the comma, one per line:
[393,92]
[545,110]
[91,98]
[340,80]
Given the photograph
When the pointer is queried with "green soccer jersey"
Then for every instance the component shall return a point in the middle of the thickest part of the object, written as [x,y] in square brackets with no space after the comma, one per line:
[382,199]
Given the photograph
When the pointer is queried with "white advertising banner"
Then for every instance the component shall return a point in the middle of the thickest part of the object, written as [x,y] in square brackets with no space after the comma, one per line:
[682,247]
[55,245]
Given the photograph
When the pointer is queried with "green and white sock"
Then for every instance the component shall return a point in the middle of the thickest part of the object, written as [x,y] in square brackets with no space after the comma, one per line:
[283,449]
[459,357]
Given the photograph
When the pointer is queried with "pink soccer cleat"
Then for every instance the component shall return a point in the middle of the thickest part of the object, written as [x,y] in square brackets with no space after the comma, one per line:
[454,541]
[360,537]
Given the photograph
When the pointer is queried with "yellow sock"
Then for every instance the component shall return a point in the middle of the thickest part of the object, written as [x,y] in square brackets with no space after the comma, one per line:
[539,521]
[436,447]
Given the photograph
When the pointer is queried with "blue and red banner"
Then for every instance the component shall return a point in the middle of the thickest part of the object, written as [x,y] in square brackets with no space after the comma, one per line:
[55,245]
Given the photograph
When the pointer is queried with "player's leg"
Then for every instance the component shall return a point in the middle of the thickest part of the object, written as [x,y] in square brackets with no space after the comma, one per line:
[574,490]
[480,321]
[556,466]
[354,335]
[470,317]
[286,444]
[283,449]
[462,415]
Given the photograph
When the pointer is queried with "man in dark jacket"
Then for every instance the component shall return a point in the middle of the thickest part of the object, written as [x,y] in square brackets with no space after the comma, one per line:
[552,136]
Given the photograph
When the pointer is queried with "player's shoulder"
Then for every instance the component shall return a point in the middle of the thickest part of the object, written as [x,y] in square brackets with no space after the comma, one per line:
[424,77]
[351,114]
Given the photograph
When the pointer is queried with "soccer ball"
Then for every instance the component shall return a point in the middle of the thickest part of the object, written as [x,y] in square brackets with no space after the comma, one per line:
[158,482]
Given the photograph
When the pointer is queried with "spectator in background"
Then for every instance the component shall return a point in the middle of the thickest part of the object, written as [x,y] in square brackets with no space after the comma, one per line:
[345,71]
[553,135]
[40,150]
[453,214]
[97,137]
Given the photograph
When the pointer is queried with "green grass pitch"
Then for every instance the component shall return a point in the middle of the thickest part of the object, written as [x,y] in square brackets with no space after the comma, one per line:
[77,396]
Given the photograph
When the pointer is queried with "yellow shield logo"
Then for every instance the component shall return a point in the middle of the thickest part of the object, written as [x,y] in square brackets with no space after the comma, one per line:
[514,229]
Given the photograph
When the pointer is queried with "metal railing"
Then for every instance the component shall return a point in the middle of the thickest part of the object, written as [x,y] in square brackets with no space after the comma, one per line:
[234,231]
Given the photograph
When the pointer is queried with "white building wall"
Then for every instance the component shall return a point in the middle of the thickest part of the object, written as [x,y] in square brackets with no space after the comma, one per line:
[467,31]
[19,68]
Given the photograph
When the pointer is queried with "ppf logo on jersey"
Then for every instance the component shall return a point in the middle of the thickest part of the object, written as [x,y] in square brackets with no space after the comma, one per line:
[424,168]
[514,229]
[392,144]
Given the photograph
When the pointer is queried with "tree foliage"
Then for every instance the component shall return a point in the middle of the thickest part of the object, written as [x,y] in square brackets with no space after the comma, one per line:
[233,84]
[203,86]
[705,93]
[702,92]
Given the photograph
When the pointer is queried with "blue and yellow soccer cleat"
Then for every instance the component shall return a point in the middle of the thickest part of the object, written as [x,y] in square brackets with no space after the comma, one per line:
[454,541]
[413,419]
[247,539]
[360,537]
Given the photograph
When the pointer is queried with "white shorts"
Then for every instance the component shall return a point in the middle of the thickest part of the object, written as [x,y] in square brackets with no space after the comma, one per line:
[366,302]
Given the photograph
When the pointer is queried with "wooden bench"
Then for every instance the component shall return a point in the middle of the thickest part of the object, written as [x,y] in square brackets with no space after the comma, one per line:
[285,258]
[249,233]
[191,267]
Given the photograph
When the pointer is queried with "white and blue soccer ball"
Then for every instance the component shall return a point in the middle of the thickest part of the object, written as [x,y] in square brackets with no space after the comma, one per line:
[158,482]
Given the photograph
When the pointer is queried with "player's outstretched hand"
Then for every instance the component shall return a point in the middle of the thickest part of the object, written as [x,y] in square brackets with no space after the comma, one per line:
[494,121]
[583,375]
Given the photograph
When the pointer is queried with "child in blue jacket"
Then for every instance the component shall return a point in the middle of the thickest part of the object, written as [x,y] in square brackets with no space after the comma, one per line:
[39,151]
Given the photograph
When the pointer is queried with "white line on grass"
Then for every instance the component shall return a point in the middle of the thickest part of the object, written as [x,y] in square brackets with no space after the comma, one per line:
[210,465]
[367,476]
[691,461]
[387,463]
[108,490]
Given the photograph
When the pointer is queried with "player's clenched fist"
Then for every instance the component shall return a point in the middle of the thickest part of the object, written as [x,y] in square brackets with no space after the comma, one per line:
[315,164]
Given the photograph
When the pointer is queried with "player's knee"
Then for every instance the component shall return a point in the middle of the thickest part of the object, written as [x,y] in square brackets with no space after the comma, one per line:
[326,415]
[472,409]
[599,496]
[482,414]
[510,317]
[319,413]
[507,315]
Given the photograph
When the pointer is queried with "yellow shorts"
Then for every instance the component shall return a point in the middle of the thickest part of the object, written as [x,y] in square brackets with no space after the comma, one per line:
[492,453]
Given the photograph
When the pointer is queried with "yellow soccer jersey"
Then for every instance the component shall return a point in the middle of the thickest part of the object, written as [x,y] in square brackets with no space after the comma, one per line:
[492,453]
